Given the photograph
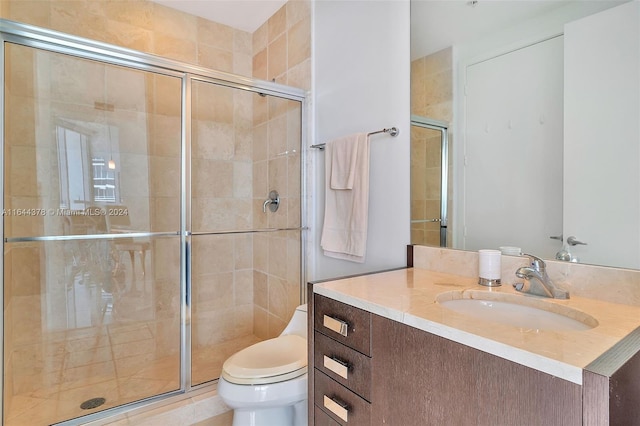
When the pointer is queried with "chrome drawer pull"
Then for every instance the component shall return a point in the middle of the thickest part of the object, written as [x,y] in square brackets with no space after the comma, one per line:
[340,409]
[339,367]
[336,325]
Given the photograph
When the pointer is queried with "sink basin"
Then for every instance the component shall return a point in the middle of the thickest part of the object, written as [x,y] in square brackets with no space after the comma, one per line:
[517,311]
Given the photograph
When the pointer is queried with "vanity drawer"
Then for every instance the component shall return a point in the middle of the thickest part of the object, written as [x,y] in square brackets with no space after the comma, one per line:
[322,419]
[340,403]
[346,324]
[346,366]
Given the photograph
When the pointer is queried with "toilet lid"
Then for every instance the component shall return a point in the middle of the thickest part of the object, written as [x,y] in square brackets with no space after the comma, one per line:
[270,361]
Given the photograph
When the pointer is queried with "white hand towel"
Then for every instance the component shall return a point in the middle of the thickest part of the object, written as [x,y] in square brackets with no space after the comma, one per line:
[344,234]
[344,153]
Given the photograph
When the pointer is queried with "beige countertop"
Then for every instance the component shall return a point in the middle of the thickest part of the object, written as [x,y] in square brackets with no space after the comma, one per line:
[409,296]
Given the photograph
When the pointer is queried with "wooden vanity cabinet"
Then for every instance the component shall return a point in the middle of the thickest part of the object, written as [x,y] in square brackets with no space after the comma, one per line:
[321,418]
[423,379]
[342,363]
[399,375]
[611,384]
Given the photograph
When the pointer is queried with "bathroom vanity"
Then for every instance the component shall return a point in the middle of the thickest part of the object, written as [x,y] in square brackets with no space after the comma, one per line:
[385,349]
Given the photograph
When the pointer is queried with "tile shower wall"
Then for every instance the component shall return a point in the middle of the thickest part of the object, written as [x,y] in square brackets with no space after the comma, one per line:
[221,265]
[432,86]
[282,52]
[141,25]
[431,97]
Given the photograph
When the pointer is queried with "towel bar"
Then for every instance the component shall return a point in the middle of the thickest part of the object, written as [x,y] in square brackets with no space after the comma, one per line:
[393,131]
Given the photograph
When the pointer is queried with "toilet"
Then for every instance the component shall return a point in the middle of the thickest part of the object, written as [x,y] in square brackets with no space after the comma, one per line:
[266,383]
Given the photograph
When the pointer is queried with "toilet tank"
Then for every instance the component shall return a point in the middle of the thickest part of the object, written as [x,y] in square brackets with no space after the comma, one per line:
[298,322]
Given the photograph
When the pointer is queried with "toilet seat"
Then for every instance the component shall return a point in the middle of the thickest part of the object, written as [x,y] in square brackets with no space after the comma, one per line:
[270,361]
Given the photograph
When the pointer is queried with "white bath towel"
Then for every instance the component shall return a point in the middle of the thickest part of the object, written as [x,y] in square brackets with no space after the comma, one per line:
[344,234]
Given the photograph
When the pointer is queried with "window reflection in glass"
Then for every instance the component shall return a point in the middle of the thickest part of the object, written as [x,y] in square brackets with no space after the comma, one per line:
[87,169]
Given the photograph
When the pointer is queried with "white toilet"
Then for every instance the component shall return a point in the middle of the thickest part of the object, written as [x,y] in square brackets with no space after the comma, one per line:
[266,383]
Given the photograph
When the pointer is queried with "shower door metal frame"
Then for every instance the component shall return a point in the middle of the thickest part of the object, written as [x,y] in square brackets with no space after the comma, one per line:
[57,42]
[443,128]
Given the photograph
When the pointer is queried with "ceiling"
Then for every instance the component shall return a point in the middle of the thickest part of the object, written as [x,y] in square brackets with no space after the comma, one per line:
[435,24]
[245,15]
[438,24]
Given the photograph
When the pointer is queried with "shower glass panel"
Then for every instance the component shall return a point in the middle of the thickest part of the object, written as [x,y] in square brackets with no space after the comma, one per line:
[245,263]
[429,177]
[222,302]
[92,302]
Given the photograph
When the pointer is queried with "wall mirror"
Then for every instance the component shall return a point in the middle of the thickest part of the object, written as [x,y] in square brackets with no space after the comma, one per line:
[541,102]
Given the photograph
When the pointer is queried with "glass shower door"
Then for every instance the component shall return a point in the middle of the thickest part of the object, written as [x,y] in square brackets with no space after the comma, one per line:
[429,182]
[92,300]
[245,257]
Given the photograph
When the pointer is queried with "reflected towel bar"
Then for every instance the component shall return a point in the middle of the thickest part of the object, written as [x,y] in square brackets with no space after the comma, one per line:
[393,131]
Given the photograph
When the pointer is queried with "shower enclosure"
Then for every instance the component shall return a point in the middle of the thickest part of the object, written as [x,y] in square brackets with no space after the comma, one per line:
[137,254]
[429,182]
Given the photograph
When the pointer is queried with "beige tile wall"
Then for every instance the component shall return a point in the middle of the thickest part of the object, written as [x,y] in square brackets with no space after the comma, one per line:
[222,267]
[282,46]
[431,97]
[282,52]
[141,25]
[432,86]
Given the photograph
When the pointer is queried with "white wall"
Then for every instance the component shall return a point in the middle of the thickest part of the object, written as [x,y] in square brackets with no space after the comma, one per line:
[507,200]
[601,136]
[361,68]
[504,40]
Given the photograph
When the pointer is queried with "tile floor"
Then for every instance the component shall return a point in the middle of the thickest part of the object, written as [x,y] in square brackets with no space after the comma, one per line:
[224,419]
[120,364]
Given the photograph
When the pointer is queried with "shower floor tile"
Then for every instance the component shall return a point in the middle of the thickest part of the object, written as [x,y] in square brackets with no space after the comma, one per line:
[105,370]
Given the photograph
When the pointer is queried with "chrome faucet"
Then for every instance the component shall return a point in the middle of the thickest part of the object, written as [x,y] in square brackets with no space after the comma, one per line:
[537,281]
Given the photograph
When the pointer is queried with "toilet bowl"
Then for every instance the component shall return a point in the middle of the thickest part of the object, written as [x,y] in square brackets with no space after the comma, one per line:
[266,383]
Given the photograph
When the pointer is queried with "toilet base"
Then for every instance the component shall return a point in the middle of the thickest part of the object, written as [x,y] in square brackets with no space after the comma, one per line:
[274,404]
[291,415]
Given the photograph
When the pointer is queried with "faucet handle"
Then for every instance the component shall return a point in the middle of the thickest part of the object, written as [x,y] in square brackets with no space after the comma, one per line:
[536,262]
[273,202]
